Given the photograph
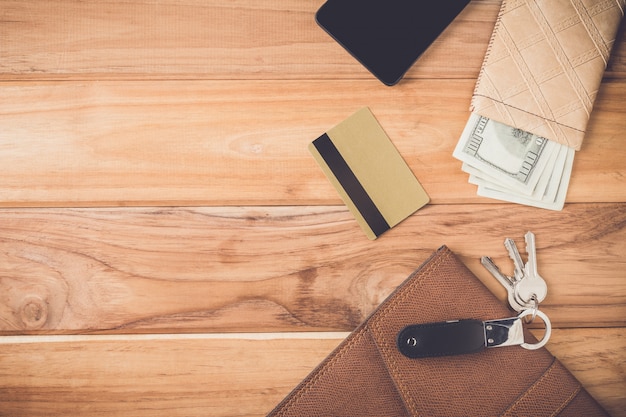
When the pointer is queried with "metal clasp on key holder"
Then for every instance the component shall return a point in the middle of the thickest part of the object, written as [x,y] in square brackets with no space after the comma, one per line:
[510,332]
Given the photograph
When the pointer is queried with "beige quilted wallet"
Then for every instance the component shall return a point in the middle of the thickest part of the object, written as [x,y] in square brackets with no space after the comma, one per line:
[544,65]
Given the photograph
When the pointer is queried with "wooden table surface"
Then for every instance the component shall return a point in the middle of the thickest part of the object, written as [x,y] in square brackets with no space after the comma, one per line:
[168,246]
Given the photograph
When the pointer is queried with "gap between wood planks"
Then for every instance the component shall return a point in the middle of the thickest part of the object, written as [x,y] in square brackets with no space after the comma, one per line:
[171,336]
[79,338]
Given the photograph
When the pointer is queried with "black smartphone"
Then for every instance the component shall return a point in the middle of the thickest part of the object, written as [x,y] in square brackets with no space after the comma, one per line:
[387,36]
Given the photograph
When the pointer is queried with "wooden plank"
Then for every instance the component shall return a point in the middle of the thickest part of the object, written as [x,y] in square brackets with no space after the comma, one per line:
[214,40]
[281,268]
[174,377]
[221,375]
[206,39]
[244,142]
[581,353]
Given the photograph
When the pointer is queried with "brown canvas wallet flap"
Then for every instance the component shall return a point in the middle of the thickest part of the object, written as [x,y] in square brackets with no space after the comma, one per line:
[545,63]
[367,376]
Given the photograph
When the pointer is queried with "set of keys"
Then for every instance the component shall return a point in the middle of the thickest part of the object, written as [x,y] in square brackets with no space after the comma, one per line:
[525,289]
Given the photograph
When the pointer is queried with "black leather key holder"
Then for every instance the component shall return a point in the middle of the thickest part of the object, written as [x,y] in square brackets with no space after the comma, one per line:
[458,337]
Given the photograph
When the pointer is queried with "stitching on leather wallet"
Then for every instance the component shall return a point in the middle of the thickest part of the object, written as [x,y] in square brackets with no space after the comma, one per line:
[527,112]
[552,368]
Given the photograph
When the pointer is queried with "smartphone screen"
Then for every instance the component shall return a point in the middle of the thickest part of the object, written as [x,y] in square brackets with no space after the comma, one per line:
[387,36]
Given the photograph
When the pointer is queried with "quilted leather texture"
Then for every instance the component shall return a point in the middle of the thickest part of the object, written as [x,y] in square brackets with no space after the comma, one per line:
[545,63]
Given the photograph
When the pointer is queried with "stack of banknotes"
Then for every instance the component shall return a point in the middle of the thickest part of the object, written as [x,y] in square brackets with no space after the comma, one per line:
[512,165]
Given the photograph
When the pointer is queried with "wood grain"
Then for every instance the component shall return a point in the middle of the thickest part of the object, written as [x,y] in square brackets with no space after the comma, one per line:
[192,39]
[282,268]
[581,353]
[244,143]
[197,113]
[204,375]
[205,39]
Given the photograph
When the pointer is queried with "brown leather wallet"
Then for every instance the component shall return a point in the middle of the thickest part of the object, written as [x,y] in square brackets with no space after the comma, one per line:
[544,65]
[366,375]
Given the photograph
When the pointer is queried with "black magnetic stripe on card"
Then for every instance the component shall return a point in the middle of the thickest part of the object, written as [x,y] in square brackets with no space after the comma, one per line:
[350,183]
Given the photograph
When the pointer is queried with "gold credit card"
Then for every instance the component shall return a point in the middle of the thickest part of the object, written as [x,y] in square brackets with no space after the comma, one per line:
[368,172]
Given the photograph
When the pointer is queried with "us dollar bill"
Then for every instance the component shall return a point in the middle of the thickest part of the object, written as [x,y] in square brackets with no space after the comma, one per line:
[513,165]
[514,158]
[553,197]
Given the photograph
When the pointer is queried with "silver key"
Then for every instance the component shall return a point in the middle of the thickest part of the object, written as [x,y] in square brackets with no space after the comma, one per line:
[533,288]
[507,282]
[519,266]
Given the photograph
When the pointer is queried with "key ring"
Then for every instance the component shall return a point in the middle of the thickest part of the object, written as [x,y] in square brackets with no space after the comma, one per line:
[536,312]
[534,309]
